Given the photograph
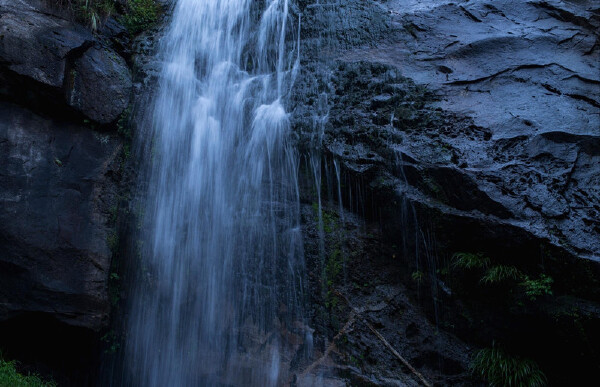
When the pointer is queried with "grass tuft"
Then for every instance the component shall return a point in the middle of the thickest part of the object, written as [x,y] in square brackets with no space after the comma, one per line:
[501,273]
[470,261]
[499,368]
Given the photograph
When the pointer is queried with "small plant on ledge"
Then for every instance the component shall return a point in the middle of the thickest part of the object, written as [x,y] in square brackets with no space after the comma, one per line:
[470,261]
[136,15]
[9,376]
[537,287]
[140,15]
[499,368]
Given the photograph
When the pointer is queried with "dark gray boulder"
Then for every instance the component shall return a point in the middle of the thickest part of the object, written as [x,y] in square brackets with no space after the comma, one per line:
[99,85]
[37,45]
[59,180]
[63,60]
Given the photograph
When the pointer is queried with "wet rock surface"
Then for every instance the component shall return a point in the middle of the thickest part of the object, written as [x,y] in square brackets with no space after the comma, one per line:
[35,44]
[57,188]
[67,64]
[368,330]
[62,89]
[456,126]
[65,142]
[526,76]
[99,85]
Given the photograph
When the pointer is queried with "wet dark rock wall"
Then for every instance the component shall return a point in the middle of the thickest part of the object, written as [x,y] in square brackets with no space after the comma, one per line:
[65,96]
[454,127]
[63,90]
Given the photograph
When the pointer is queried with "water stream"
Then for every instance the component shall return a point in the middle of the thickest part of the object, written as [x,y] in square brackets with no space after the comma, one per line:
[220,290]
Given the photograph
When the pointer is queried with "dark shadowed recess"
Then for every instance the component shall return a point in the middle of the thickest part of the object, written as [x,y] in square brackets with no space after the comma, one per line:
[44,345]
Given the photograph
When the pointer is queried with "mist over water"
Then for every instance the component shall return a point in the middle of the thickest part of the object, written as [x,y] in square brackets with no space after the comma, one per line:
[221,264]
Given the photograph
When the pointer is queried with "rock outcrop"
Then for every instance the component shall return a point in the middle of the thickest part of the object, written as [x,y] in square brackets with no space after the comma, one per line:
[61,61]
[528,73]
[57,187]
[509,137]
[99,85]
[451,126]
[60,88]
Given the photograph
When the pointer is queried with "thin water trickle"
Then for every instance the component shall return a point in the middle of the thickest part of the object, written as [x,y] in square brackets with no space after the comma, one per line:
[220,294]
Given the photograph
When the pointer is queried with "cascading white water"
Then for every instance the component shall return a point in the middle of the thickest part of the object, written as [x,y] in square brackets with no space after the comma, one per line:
[222,253]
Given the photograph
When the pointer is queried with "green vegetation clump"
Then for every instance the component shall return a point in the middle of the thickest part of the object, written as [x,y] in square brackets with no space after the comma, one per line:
[9,377]
[112,239]
[501,273]
[140,15]
[417,276]
[90,12]
[124,130]
[112,342]
[329,218]
[470,260]
[506,274]
[537,287]
[137,15]
[499,368]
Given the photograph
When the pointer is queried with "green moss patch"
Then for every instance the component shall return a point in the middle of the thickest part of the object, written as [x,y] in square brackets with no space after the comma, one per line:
[140,15]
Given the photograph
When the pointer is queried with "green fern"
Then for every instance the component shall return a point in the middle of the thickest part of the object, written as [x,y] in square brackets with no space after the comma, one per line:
[501,273]
[92,12]
[537,287]
[470,261]
[499,368]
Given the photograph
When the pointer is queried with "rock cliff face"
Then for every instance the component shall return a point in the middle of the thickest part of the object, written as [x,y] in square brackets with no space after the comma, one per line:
[463,126]
[508,135]
[57,188]
[427,127]
[61,92]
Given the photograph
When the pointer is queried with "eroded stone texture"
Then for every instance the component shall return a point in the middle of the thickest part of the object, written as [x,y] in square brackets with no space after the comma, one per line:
[56,191]
[453,126]
[99,85]
[62,60]
[514,141]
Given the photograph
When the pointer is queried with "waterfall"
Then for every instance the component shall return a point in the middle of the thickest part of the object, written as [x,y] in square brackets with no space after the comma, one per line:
[219,295]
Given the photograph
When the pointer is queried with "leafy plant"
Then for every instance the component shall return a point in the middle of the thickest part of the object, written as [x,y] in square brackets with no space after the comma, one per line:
[334,266]
[470,260]
[501,273]
[537,287]
[90,12]
[9,377]
[140,15]
[112,240]
[499,368]
[417,276]
[328,218]
[112,342]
